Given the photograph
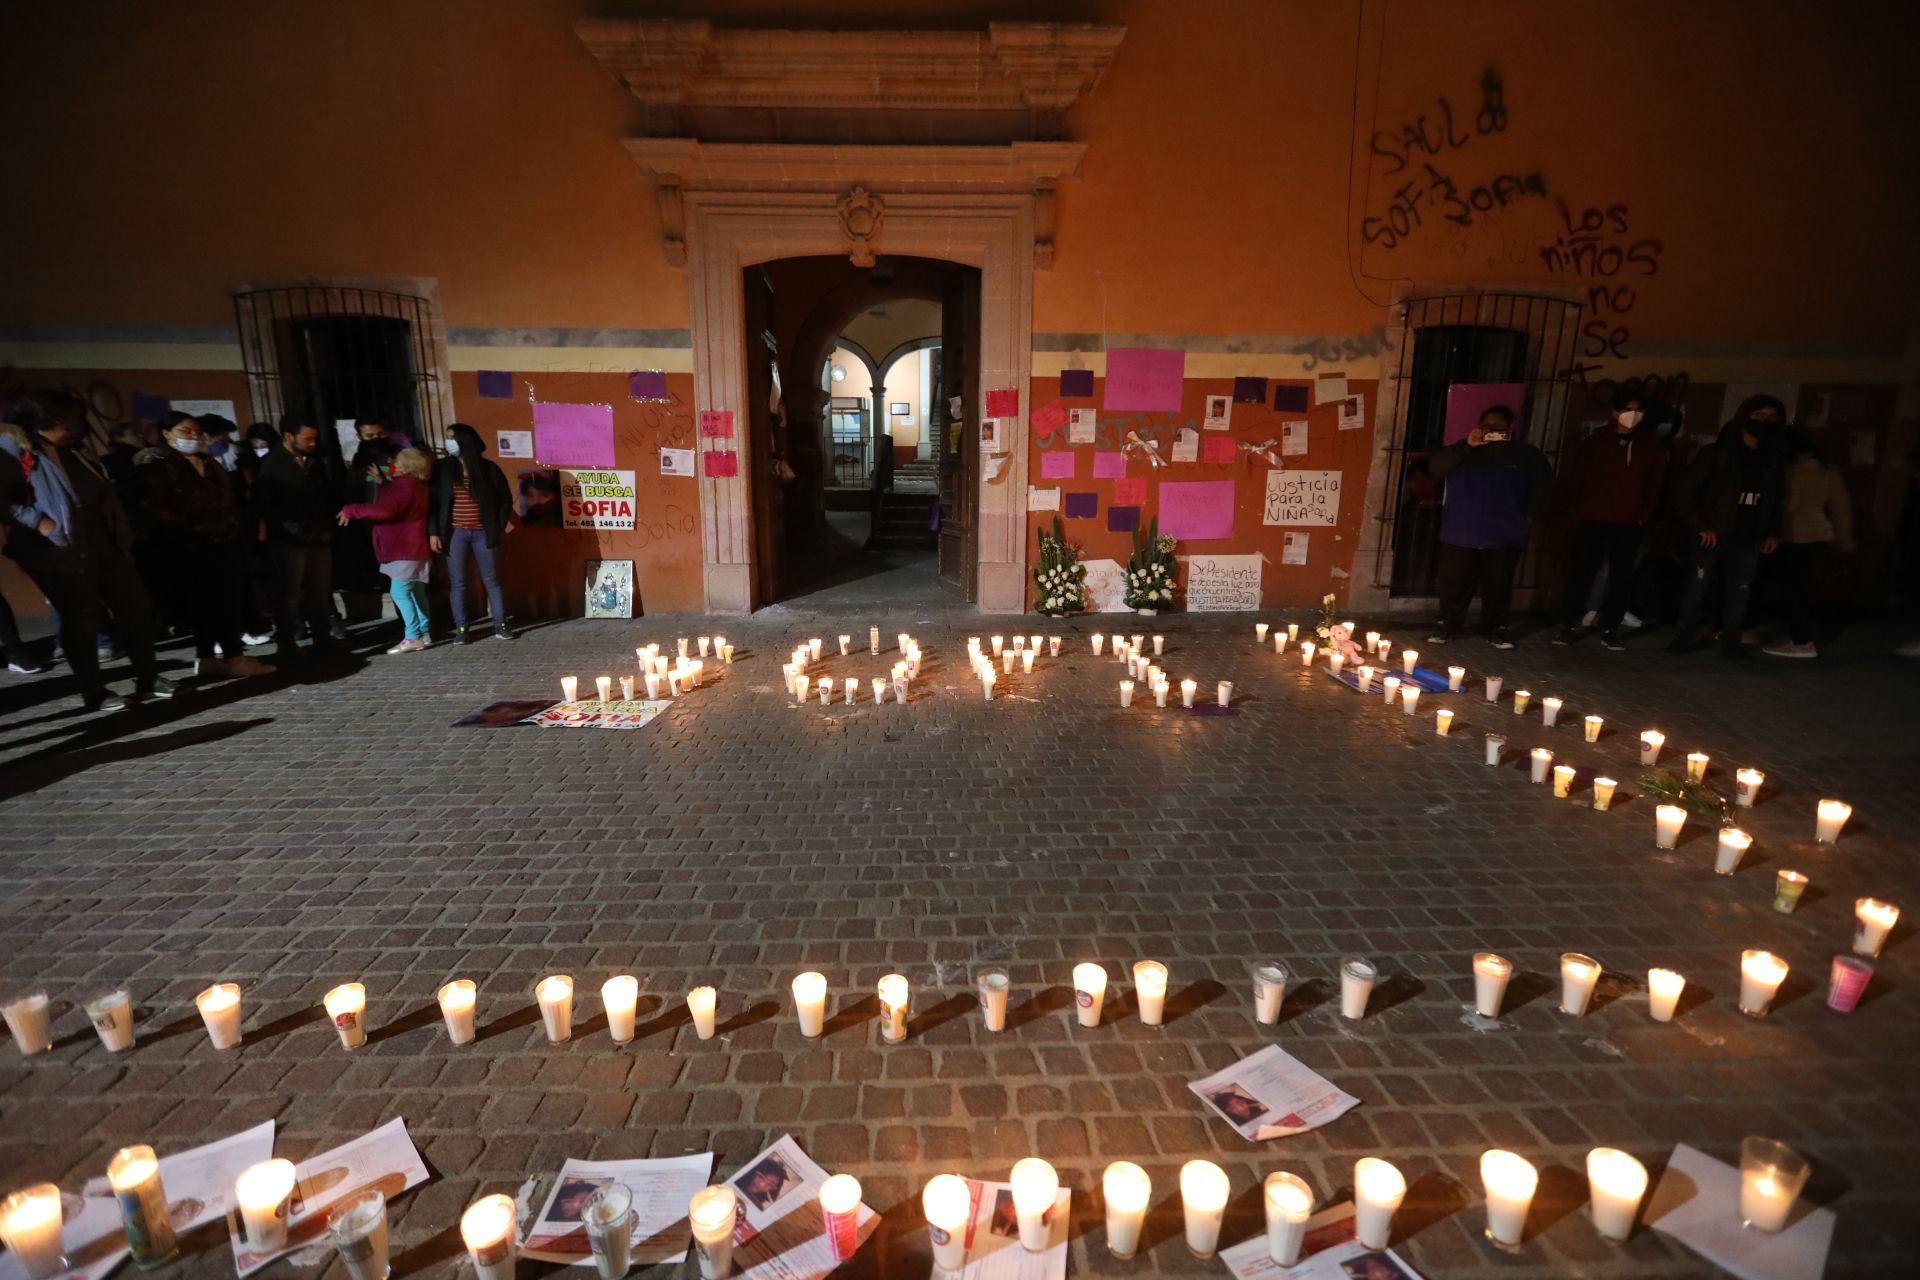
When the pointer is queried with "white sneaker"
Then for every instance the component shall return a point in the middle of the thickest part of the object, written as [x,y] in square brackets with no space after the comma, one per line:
[1631,619]
[245,666]
[212,668]
[1789,650]
[251,638]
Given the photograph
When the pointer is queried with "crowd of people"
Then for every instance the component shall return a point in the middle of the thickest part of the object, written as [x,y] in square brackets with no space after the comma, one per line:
[231,538]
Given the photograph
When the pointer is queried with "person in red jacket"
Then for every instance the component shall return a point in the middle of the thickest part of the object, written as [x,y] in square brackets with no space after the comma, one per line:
[1609,491]
[398,515]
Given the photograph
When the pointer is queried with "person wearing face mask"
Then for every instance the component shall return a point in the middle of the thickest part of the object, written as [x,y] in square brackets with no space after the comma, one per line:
[1609,493]
[1497,485]
[1731,498]
[471,508]
[195,514]
[295,497]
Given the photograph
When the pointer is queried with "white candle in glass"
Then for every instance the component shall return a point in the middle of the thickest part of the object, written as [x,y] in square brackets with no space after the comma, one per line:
[1651,740]
[1510,1181]
[1269,991]
[1223,693]
[1390,689]
[712,1211]
[1771,1176]
[457,999]
[570,688]
[701,1005]
[1493,687]
[1443,722]
[1098,641]
[1550,711]
[1829,817]
[620,997]
[1746,786]
[810,1003]
[346,1005]
[999,642]
[1187,688]
[264,1192]
[1026,661]
[1697,766]
[1663,993]
[1159,646]
[826,690]
[219,1007]
[652,680]
[1603,789]
[1667,821]
[486,1228]
[112,1018]
[1761,973]
[1873,921]
[986,684]
[845,643]
[1035,1187]
[1306,653]
[894,993]
[1293,632]
[1373,641]
[813,648]
[1490,975]
[30,1020]
[1203,1195]
[1126,693]
[1542,761]
[1593,725]
[1408,659]
[1563,780]
[1456,676]
[1126,1189]
[879,689]
[695,670]
[1356,986]
[1280,642]
[30,1223]
[994,984]
[1089,992]
[947,1204]
[1578,976]
[1521,699]
[1617,1182]
[1495,743]
[1363,676]
[134,1176]
[1378,1189]
[1732,847]
[1289,1204]
[1053,646]
[1410,698]
[1150,990]
[1336,661]
[1260,630]
[626,688]
[1386,648]
[850,687]
[555,996]
[604,686]
[1007,658]
[1160,689]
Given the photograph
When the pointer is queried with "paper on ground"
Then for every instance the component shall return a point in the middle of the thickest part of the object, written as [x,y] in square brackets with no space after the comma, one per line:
[1329,1243]
[384,1158]
[1272,1095]
[617,714]
[780,1233]
[661,1191]
[1697,1202]
[994,1251]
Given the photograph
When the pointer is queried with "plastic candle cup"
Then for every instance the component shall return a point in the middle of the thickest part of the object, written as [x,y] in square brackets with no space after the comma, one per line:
[1761,973]
[1410,699]
[845,641]
[1363,676]
[626,688]
[1126,1189]
[1293,632]
[1495,743]
[879,689]
[1541,761]
[1306,653]
[1187,688]
[358,1227]
[652,681]
[810,1003]
[29,1018]
[1126,693]
[219,1007]
[1159,646]
[1281,642]
[826,690]
[1510,1181]
[264,1193]
[570,688]
[1289,1204]
[800,684]
[1336,661]
[1829,818]
[1663,993]
[947,1204]
[999,642]
[1563,781]
[1386,648]
[1160,693]
[1007,658]
[1443,722]
[1098,640]
[894,994]
[1260,630]
[1356,986]
[1026,661]
[457,999]
[1733,846]
[620,997]
[1490,975]
[1089,992]
[30,1223]
[1550,711]
[604,686]
[850,686]
[1873,921]
[486,1228]
[1223,693]
[1203,1195]
[701,1004]
[719,644]
[1378,1189]
[1846,981]
[813,648]
[726,653]
[346,1005]
[1493,688]
[1667,821]
[134,1175]
[1616,1182]
[994,984]
[1771,1176]
[1578,976]
[1521,698]
[1373,641]
[1136,643]
[1697,766]
[1269,990]
[1053,646]
[1603,789]
[1408,659]
[1150,990]
[1787,888]
[1035,1186]
[111,1013]
[555,996]
[1456,676]
[1593,725]
[1746,786]
[608,1219]
[1650,743]
[986,684]
[1390,689]
[711,1213]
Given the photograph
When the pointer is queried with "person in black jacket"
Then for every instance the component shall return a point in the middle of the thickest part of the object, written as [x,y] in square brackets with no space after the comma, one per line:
[470,510]
[1731,497]
[296,497]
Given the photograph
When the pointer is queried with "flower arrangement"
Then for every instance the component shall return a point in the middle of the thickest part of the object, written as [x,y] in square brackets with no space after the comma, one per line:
[1059,579]
[1150,570]
[1332,635]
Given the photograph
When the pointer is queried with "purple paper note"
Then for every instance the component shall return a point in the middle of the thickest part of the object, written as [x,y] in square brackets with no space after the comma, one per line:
[1082,506]
[1076,382]
[148,407]
[1123,519]
[1249,390]
[1149,378]
[573,435]
[1196,510]
[1109,464]
[647,384]
[1292,397]
[1466,401]
[496,384]
[1056,464]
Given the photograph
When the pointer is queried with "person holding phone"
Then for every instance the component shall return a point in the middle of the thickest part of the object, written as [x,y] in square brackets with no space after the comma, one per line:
[1496,484]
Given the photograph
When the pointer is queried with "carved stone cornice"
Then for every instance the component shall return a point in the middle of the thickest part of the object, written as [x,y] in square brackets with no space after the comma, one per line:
[692,165]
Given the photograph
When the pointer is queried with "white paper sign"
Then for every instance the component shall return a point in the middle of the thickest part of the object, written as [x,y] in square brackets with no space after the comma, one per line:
[1328,388]
[661,1190]
[1039,499]
[1273,1095]
[1186,444]
[1302,497]
[1106,586]
[597,499]
[676,462]
[781,1234]
[384,1158]
[348,435]
[1223,584]
[1293,439]
[1294,549]
[1353,413]
[1328,1246]
[1219,413]
[1697,1202]
[199,408]
[513,444]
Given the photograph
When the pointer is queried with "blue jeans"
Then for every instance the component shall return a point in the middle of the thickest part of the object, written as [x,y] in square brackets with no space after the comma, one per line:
[474,541]
[1739,564]
[410,598]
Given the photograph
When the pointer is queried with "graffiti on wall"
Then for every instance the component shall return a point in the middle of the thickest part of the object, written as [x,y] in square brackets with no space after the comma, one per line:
[1418,156]
[1600,247]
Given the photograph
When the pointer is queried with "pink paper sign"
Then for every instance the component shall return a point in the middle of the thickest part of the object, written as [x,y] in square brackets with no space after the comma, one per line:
[573,435]
[1047,416]
[716,424]
[722,462]
[1109,464]
[1197,509]
[1057,464]
[1130,491]
[1466,401]
[1003,404]
[1218,449]
[1148,378]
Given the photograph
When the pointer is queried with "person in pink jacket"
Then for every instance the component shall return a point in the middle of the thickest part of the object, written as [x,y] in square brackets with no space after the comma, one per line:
[398,515]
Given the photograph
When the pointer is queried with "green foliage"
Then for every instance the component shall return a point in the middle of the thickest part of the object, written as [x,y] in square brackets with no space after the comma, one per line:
[1151,569]
[1700,801]
[1059,579]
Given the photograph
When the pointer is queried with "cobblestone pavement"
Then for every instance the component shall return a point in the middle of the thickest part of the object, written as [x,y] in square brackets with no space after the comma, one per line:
[290,834]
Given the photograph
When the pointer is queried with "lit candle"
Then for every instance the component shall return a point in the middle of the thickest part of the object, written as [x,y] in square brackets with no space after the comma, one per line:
[1771,1176]
[652,681]
[1542,760]
[1578,976]
[701,1004]
[1787,888]
[1390,689]
[1289,1205]
[1493,688]
[608,1218]
[1127,1190]
[1746,786]
[1520,700]
[894,996]
[30,1020]
[1373,641]
[1007,658]
[1159,646]
[134,1175]
[1089,992]
[1456,676]
[1616,1182]
[813,645]
[1697,766]
[1126,693]
[1336,661]
[994,985]
[1490,975]
[1223,692]
[620,997]
[1495,743]
[1160,693]
[1269,990]
[486,1228]
[1663,993]
[1026,661]
[457,999]
[813,648]
[810,1003]
[1603,793]
[1410,698]
[1260,633]
[948,1205]
[1593,726]
[1098,640]
[1650,743]
[1550,711]
[1563,780]
[1035,1187]
[1510,1181]
[555,995]
[626,688]
[347,1006]
[1187,688]
[1293,632]
[850,687]
[30,1222]
[265,1194]
[712,1210]
[1280,642]
[695,670]
[219,1007]
[1408,659]
[1378,1189]
[1667,821]
[604,684]
[1363,676]
[570,688]
[1356,986]
[1443,722]
[998,643]
[1306,653]
[112,1018]
[1873,921]
[1829,818]
[879,689]
[1150,990]
[1203,1194]
[720,646]
[1053,646]
[845,641]
[873,641]
[1386,648]
[1733,845]
[1761,973]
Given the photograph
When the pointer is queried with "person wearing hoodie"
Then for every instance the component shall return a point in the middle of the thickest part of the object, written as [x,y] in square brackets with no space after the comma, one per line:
[1731,498]
[471,507]
[1818,521]
[295,496]
[1609,491]
[398,514]
[1495,486]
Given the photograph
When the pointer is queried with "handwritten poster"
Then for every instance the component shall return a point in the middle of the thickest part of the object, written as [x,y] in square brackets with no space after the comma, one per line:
[1106,586]
[716,424]
[1186,444]
[1197,509]
[1217,584]
[1039,499]
[1294,549]
[1303,497]
[1080,426]
[1353,413]
[1047,416]
[1293,439]
[1466,401]
[1057,464]
[721,463]
[596,499]
[1149,378]
[573,435]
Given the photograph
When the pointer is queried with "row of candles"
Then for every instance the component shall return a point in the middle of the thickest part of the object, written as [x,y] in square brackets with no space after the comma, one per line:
[663,676]
[799,683]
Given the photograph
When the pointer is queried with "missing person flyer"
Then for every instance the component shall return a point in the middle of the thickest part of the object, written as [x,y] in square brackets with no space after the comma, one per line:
[780,1233]
[661,1190]
[384,1159]
[1329,1252]
[1273,1095]
[994,1251]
